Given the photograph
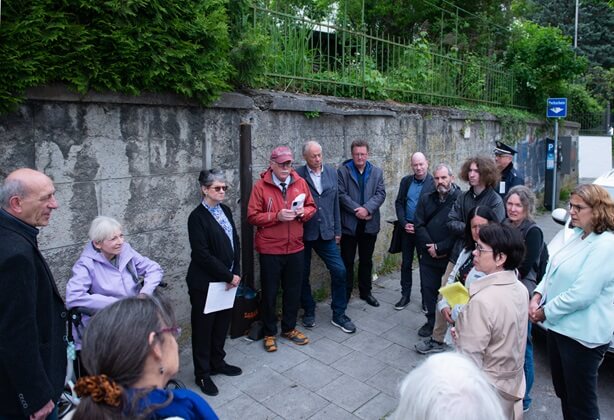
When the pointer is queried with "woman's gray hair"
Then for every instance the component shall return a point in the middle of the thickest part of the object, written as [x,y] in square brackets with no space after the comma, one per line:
[103,227]
[207,177]
[448,385]
[527,198]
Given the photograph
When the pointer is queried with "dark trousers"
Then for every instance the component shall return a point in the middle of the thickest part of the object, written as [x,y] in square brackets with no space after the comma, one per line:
[286,270]
[408,246]
[329,253]
[208,335]
[430,282]
[366,245]
[574,375]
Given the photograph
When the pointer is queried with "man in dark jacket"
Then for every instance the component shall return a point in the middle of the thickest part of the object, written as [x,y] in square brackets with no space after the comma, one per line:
[482,175]
[33,317]
[361,194]
[434,241]
[412,187]
[322,234]
[504,155]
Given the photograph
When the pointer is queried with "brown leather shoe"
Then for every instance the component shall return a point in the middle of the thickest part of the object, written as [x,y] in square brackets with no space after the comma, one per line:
[270,344]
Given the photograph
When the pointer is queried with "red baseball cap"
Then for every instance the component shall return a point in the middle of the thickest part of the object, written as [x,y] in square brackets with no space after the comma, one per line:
[281,154]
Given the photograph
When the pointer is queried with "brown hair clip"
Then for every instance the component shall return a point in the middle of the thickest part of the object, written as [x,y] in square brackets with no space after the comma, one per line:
[100,388]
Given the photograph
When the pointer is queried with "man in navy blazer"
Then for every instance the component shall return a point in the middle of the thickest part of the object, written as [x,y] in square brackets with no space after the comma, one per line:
[411,189]
[322,234]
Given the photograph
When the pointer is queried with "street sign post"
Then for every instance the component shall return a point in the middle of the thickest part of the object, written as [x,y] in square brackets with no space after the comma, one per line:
[556,108]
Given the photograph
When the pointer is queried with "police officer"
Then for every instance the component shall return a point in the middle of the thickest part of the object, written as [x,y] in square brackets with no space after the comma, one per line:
[504,155]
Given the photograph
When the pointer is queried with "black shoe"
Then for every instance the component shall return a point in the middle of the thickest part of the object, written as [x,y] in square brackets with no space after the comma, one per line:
[228,370]
[402,303]
[207,386]
[370,300]
[425,331]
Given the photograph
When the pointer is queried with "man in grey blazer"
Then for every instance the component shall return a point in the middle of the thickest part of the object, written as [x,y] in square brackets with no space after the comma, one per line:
[322,234]
[361,194]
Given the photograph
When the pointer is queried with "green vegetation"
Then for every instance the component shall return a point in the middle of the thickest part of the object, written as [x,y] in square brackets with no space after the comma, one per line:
[484,54]
[390,264]
[116,45]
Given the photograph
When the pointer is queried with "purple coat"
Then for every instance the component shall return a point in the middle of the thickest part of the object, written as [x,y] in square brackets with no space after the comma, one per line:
[96,283]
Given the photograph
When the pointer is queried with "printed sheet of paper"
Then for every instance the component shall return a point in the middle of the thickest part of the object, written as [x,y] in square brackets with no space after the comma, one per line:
[218,298]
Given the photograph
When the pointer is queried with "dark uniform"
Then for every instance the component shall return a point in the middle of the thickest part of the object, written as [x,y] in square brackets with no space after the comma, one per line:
[509,175]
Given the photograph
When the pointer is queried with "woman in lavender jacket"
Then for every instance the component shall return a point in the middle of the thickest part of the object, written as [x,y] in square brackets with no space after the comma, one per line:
[108,270]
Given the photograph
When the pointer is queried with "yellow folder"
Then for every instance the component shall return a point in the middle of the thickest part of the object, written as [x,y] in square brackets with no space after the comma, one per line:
[455,294]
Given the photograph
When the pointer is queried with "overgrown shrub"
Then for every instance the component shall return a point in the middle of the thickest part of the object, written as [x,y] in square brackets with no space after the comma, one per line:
[124,46]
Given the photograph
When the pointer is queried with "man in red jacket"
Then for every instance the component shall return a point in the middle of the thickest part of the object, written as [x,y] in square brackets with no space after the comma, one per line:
[279,205]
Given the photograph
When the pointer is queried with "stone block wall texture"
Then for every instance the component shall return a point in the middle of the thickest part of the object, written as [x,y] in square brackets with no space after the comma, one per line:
[137,159]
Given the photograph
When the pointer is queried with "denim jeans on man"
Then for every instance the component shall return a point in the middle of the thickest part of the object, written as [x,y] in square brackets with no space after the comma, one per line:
[329,253]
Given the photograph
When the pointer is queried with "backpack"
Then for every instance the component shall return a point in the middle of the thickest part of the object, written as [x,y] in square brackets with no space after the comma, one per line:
[542,262]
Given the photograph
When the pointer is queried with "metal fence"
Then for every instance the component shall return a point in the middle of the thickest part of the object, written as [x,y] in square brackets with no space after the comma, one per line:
[319,58]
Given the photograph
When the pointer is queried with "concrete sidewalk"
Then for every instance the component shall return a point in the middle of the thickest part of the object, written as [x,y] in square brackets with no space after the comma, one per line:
[337,375]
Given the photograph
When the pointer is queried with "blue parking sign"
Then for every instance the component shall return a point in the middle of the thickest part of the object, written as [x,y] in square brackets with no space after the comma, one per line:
[557,108]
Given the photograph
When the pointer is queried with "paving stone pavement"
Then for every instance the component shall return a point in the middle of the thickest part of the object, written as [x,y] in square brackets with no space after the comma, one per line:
[337,375]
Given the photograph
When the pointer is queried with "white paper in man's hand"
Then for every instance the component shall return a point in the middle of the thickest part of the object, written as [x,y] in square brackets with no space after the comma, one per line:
[298,201]
[218,298]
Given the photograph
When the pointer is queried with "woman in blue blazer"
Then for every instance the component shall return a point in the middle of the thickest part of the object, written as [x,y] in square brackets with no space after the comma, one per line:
[574,302]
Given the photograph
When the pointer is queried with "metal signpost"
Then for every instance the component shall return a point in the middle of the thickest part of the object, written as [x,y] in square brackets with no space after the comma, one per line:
[557,108]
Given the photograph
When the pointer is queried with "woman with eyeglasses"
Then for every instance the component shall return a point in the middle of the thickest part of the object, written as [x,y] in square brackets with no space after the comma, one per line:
[575,302]
[215,258]
[492,327]
[520,206]
[462,272]
[130,349]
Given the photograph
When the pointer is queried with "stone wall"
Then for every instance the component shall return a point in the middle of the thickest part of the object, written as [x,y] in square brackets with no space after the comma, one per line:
[137,158]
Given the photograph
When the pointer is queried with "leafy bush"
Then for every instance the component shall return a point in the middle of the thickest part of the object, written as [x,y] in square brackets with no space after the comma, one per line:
[124,46]
[543,61]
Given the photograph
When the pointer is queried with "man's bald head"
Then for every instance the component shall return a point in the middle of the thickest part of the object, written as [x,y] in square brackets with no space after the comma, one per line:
[419,165]
[29,195]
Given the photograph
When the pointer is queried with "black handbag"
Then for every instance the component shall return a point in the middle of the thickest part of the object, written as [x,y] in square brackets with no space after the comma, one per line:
[246,310]
[397,238]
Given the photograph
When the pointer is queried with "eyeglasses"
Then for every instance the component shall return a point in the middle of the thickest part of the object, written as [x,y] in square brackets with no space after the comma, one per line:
[577,208]
[222,188]
[176,331]
[284,164]
[480,249]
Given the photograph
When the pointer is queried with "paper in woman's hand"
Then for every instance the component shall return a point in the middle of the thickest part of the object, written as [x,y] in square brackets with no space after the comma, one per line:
[218,298]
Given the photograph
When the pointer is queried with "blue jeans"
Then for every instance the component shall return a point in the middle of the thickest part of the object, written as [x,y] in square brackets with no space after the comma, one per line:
[329,253]
[528,370]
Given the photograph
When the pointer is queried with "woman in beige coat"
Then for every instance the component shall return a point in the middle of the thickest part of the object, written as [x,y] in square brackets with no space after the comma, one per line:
[491,328]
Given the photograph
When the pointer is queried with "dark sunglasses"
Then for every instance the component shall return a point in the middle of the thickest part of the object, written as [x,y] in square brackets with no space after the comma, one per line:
[223,188]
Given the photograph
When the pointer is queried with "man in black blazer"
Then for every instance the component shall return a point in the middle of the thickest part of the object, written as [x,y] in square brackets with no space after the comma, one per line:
[411,189]
[32,313]
[322,234]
